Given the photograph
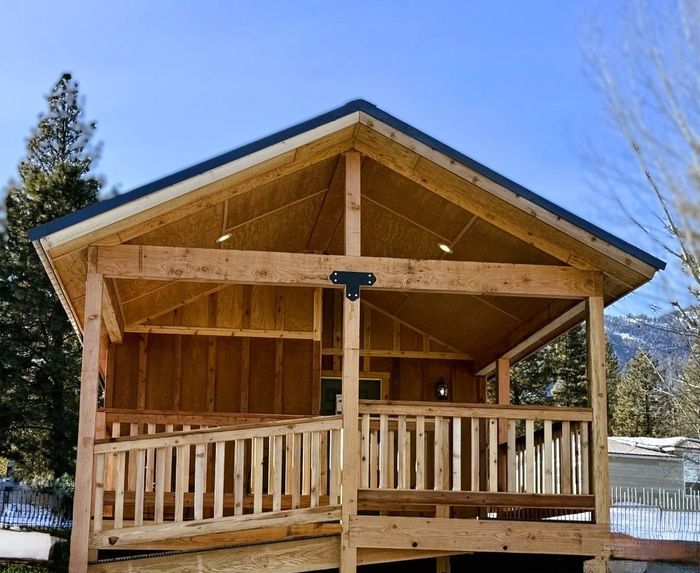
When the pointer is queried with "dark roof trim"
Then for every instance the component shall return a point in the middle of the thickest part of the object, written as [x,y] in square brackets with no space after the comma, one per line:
[350,107]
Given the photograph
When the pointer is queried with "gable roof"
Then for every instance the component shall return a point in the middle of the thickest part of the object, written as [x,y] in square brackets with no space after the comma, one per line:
[354,106]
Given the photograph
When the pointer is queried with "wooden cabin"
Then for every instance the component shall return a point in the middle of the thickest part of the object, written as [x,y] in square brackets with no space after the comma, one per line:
[286,352]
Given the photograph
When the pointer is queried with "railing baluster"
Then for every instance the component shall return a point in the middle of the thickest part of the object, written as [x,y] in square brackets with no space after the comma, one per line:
[160,485]
[364,441]
[119,490]
[306,452]
[391,457]
[323,444]
[474,485]
[456,454]
[169,462]
[219,461]
[403,481]
[440,447]
[277,475]
[98,508]
[511,467]
[373,458]
[200,463]
[493,454]
[335,466]
[258,446]
[315,468]
[182,479]
[548,457]
[529,456]
[139,475]
[238,475]
[296,473]
[565,457]
[420,452]
[585,480]
[150,429]
[133,431]
[383,451]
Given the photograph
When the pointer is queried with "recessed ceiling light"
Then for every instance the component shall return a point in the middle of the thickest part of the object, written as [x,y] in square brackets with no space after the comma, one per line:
[224,237]
[445,248]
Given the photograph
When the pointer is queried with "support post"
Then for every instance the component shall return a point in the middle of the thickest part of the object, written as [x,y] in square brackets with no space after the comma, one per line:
[503,380]
[89,382]
[351,368]
[595,337]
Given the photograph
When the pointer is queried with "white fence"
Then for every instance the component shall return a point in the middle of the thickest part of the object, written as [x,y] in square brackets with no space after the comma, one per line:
[650,513]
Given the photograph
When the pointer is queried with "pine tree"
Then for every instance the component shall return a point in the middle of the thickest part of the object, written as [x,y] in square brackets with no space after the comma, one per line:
[643,407]
[532,379]
[40,352]
[571,387]
[687,397]
[613,375]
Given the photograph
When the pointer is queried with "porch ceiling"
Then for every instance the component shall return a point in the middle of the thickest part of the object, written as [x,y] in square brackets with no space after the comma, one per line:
[294,203]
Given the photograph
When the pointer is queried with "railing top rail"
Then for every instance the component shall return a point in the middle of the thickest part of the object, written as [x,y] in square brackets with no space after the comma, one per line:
[126,415]
[222,434]
[464,410]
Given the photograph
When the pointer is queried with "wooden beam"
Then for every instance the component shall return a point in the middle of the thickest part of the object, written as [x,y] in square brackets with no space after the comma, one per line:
[115,538]
[112,314]
[516,347]
[403,354]
[595,337]
[380,497]
[285,557]
[297,269]
[478,535]
[489,200]
[89,383]
[220,331]
[351,367]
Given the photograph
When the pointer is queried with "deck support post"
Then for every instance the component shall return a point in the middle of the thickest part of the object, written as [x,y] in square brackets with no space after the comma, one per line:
[503,392]
[89,382]
[595,337]
[351,368]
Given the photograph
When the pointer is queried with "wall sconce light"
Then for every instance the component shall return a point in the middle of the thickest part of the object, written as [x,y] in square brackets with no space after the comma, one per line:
[442,390]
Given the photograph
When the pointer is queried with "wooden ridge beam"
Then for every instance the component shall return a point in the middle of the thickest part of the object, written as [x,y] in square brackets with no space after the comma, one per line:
[466,535]
[295,269]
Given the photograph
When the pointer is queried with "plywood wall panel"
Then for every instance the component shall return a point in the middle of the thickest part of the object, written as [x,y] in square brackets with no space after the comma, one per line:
[195,351]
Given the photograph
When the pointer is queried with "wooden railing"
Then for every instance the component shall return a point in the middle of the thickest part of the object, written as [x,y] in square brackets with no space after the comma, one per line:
[474,448]
[209,480]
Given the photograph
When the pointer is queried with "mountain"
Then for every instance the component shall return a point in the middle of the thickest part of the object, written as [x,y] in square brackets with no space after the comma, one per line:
[658,336]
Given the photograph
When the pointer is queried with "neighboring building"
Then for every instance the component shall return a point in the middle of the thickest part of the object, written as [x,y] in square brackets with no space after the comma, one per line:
[668,463]
[221,308]
[635,465]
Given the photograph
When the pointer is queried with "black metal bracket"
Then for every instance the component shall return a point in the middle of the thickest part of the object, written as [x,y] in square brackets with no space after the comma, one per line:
[352,281]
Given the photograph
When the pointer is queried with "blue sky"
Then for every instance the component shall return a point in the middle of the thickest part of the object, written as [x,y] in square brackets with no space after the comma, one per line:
[172,83]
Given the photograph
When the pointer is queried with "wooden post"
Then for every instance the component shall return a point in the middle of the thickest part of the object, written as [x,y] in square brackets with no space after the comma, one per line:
[89,383]
[351,368]
[503,380]
[595,335]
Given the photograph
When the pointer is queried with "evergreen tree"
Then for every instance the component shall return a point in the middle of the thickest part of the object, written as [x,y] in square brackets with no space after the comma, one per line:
[613,375]
[40,354]
[687,397]
[531,380]
[643,407]
[571,387]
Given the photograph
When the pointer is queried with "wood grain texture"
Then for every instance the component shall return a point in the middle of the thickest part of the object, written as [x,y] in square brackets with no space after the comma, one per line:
[296,269]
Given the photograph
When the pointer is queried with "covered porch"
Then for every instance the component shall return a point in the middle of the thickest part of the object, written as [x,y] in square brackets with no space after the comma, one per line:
[296,340]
